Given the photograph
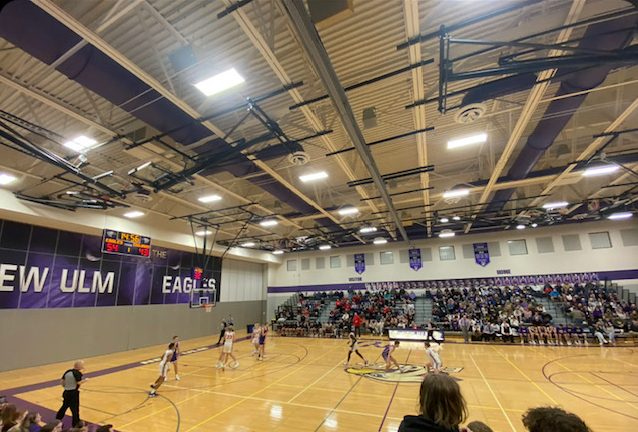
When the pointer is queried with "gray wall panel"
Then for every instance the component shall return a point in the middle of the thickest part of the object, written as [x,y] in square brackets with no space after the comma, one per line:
[41,336]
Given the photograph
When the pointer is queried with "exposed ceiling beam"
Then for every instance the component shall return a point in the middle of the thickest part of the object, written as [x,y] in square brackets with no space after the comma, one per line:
[49,101]
[264,48]
[533,100]
[66,19]
[591,148]
[412,30]
[312,45]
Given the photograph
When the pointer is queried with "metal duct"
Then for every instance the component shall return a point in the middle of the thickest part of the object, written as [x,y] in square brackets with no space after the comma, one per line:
[34,31]
[602,37]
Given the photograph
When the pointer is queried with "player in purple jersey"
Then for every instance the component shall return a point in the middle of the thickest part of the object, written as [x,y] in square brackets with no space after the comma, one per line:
[387,355]
[176,354]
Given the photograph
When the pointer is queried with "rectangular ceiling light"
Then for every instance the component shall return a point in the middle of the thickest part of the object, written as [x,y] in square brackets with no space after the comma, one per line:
[268,222]
[248,244]
[133,214]
[600,170]
[220,82]
[367,230]
[6,179]
[313,176]
[620,215]
[454,193]
[80,144]
[462,142]
[209,198]
[347,211]
[203,233]
[555,205]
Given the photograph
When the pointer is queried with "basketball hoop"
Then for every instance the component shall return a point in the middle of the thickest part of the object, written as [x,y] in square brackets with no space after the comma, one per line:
[208,307]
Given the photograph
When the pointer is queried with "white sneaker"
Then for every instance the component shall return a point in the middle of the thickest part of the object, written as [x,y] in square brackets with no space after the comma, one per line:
[177,377]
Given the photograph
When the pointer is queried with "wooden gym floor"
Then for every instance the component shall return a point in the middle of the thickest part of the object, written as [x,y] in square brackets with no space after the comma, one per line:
[302,386]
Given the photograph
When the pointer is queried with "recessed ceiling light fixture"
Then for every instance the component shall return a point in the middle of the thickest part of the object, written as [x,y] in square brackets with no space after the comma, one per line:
[466,141]
[368,230]
[444,220]
[220,82]
[80,144]
[278,252]
[209,198]
[6,179]
[248,244]
[134,214]
[379,241]
[555,205]
[447,234]
[600,170]
[454,193]
[620,215]
[347,211]
[325,247]
[313,176]
[268,222]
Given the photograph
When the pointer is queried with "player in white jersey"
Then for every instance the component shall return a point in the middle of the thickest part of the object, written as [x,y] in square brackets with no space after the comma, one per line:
[353,345]
[255,338]
[227,350]
[163,366]
[432,350]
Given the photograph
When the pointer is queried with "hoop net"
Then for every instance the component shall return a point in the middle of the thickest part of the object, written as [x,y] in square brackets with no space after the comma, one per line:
[208,307]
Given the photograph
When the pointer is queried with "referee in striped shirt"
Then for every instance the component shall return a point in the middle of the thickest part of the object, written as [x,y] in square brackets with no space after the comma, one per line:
[71,381]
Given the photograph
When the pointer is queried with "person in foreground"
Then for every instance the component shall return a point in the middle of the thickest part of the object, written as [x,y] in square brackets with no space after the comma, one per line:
[553,419]
[442,407]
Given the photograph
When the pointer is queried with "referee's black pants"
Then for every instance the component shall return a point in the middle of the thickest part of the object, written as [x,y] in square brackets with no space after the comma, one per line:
[221,336]
[71,400]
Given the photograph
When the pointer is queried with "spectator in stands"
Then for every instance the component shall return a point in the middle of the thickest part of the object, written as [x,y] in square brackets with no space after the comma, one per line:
[356,323]
[545,419]
[506,332]
[442,407]
[10,417]
[27,422]
[599,332]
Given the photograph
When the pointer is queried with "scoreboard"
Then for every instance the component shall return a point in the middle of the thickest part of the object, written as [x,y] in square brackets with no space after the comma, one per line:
[123,243]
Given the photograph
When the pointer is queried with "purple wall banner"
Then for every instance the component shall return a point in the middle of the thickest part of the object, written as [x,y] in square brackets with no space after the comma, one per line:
[481,254]
[440,284]
[48,268]
[359,263]
[414,255]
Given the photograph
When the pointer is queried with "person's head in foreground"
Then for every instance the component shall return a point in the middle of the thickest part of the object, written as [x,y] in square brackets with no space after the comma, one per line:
[477,426]
[105,428]
[441,406]
[546,419]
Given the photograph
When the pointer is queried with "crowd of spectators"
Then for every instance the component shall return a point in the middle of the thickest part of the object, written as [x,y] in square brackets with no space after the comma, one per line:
[14,420]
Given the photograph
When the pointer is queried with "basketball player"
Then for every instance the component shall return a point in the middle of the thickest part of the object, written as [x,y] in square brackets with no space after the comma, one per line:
[163,367]
[227,350]
[353,344]
[255,338]
[176,354]
[262,341]
[387,355]
[434,359]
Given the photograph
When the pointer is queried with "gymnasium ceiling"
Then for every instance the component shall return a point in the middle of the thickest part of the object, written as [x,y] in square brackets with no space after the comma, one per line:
[163,47]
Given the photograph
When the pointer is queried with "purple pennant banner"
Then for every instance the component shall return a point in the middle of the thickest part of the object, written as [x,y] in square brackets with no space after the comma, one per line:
[481,254]
[359,263]
[47,268]
[414,255]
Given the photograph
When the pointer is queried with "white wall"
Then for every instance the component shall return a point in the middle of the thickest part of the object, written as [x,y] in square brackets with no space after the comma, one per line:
[618,257]
[242,281]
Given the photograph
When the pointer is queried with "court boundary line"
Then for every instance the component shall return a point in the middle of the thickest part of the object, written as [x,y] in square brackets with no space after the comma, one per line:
[498,402]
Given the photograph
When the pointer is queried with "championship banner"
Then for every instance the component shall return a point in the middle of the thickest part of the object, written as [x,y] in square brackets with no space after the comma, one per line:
[481,254]
[359,263]
[415,258]
[47,268]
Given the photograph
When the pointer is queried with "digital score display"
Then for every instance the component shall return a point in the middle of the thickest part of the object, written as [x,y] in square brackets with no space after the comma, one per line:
[123,243]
